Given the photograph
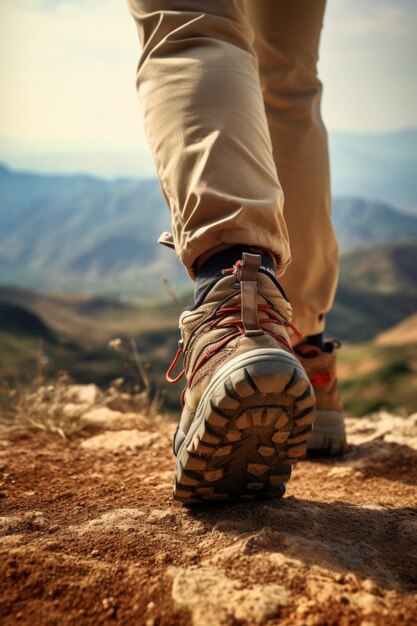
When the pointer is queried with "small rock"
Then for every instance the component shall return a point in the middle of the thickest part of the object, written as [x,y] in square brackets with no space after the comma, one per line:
[118,440]
[37,521]
[101,416]
[53,528]
[210,595]
[341,471]
[160,515]
[120,519]
[369,585]
[84,394]
[72,410]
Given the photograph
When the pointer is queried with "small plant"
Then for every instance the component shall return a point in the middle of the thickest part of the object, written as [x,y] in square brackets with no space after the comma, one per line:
[46,408]
[142,398]
[49,406]
[55,406]
[171,292]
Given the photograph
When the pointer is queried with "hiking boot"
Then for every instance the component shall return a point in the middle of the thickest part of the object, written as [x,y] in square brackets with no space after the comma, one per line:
[329,436]
[248,405]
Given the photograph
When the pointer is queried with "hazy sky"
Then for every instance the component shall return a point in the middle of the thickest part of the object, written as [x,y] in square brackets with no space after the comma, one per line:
[68,70]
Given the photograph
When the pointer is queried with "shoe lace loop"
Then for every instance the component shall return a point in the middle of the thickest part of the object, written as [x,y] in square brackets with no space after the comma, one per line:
[267,317]
[245,317]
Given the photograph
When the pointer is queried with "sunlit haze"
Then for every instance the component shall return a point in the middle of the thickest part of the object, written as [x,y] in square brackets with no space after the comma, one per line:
[68,73]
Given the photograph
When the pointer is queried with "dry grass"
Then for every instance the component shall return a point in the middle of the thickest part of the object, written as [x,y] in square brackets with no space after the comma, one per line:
[56,407]
[46,408]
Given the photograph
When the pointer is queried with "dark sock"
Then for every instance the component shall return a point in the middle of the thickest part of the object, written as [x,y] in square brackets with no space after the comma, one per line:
[316,340]
[211,271]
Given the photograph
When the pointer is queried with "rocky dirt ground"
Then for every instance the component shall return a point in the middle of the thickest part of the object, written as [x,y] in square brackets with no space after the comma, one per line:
[90,534]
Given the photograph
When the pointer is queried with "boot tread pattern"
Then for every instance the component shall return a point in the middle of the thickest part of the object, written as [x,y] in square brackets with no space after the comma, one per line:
[255,426]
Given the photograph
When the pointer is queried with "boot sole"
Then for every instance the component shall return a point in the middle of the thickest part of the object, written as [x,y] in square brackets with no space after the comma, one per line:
[252,424]
[329,435]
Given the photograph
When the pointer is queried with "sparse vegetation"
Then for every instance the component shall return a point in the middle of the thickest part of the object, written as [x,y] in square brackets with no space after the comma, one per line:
[46,408]
[55,405]
[374,377]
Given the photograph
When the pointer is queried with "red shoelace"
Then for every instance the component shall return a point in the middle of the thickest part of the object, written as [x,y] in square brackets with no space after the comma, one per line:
[267,317]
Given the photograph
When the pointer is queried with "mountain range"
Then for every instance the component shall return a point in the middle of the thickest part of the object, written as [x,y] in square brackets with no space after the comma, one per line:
[373,166]
[70,332]
[376,166]
[80,233]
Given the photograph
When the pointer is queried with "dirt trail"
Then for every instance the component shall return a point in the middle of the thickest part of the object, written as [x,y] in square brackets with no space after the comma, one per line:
[90,534]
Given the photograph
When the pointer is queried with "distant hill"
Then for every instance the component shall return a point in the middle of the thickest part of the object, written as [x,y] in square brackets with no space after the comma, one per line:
[359,223]
[373,166]
[78,233]
[377,289]
[403,333]
[17,319]
[381,269]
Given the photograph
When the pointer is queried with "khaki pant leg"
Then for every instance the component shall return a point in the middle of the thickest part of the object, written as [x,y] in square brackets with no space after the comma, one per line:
[206,124]
[287,34]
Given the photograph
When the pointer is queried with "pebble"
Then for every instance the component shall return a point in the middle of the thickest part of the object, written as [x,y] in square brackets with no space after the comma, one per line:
[53,528]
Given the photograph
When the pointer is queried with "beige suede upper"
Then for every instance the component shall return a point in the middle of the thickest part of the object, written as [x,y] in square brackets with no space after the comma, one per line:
[321,370]
[205,343]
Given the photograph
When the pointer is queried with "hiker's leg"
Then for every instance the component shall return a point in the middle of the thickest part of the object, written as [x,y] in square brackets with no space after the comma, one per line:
[287,38]
[206,124]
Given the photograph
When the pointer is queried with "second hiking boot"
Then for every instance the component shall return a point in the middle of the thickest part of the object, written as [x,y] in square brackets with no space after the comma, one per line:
[329,435]
[248,405]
